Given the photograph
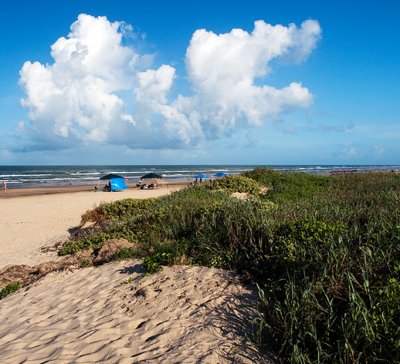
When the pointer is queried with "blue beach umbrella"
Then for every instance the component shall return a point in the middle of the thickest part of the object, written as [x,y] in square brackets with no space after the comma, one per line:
[201,175]
[221,174]
[110,176]
[152,176]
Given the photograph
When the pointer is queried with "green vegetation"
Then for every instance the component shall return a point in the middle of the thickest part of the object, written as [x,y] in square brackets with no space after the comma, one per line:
[323,250]
[289,186]
[10,288]
[237,184]
[86,263]
[153,263]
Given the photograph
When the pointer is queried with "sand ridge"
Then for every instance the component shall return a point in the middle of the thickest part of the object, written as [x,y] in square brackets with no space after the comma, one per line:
[117,314]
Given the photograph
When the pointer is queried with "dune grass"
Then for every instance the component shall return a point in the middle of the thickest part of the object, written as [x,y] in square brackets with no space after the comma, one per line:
[323,250]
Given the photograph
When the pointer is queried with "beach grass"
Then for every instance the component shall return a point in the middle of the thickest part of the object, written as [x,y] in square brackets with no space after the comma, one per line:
[323,250]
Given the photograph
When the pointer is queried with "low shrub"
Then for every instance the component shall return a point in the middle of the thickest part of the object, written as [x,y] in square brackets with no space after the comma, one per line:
[125,209]
[237,184]
[153,263]
[125,254]
[92,241]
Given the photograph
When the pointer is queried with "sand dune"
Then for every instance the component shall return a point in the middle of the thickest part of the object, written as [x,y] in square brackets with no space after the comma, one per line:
[116,314]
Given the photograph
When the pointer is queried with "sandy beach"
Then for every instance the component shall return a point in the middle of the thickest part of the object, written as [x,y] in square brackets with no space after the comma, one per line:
[34,218]
[114,313]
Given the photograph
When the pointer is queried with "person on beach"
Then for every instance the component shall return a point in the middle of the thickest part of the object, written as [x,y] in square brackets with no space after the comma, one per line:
[4,185]
[140,182]
[107,187]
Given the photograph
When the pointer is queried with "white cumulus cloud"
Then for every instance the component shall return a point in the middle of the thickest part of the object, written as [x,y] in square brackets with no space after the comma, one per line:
[99,90]
[224,69]
[76,95]
[153,87]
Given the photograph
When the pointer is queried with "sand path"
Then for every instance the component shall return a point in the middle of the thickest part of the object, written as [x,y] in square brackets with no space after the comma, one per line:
[30,222]
[179,315]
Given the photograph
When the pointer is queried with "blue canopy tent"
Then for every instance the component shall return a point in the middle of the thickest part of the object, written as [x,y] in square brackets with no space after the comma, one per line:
[110,176]
[201,176]
[221,174]
[117,183]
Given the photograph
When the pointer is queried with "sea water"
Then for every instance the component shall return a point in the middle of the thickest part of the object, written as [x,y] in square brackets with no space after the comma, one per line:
[47,176]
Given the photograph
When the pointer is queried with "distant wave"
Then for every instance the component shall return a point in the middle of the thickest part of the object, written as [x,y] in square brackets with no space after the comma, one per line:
[84,173]
[24,175]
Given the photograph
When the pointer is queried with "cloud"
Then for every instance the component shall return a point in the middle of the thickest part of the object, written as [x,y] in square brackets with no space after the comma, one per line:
[75,97]
[100,90]
[223,70]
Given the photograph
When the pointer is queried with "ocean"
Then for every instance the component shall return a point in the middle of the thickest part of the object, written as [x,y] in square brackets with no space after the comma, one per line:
[47,176]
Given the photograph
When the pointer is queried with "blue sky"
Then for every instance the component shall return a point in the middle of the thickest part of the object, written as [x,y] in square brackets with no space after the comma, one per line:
[161,82]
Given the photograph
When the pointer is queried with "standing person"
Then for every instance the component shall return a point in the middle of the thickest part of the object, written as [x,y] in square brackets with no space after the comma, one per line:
[4,184]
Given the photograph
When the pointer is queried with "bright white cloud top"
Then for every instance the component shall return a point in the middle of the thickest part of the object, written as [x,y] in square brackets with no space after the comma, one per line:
[97,90]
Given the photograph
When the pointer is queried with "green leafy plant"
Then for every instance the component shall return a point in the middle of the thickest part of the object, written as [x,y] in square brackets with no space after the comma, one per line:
[10,288]
[153,263]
